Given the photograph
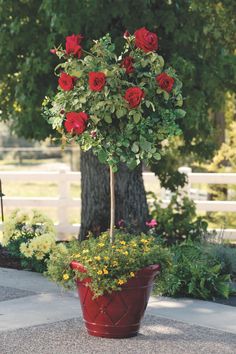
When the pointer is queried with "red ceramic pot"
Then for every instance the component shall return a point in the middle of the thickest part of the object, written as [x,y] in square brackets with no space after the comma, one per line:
[116,315]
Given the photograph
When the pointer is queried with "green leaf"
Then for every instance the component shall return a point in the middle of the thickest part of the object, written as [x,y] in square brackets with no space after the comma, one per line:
[108,118]
[132,164]
[180,113]
[135,147]
[82,99]
[114,168]
[102,156]
[95,119]
[145,145]
[166,95]
[125,143]
[137,116]
[120,112]
[157,156]
[159,90]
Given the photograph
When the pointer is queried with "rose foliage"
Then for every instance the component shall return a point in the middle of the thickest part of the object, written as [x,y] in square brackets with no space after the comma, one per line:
[123,107]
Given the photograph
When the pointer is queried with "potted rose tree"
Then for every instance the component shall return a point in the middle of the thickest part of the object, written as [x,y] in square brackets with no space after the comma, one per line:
[124,108]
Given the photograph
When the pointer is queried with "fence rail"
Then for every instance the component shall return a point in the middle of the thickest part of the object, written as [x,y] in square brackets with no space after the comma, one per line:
[64,201]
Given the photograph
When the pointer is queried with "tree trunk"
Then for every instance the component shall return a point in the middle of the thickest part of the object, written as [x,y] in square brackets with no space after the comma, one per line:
[131,204]
[219,119]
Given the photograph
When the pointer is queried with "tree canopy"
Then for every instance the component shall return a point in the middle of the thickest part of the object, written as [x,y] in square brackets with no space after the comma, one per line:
[196,37]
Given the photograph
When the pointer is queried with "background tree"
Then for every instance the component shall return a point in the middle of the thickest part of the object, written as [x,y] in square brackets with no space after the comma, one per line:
[196,37]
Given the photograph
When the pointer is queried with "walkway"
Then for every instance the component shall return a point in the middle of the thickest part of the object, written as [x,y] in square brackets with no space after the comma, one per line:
[37,317]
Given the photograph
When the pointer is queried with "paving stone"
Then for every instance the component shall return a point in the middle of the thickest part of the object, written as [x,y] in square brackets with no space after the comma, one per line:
[8,293]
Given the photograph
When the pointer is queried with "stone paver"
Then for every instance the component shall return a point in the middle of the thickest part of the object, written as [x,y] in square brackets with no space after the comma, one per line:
[7,293]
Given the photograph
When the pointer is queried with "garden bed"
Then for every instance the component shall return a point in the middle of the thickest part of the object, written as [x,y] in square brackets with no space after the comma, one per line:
[7,261]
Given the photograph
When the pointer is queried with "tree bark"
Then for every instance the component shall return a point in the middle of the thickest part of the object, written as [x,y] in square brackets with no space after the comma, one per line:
[219,119]
[131,203]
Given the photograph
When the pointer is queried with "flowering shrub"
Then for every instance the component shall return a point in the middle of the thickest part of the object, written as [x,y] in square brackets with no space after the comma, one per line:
[29,236]
[123,107]
[178,221]
[108,265]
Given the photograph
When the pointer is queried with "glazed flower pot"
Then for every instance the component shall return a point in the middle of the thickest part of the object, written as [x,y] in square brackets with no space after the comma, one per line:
[116,315]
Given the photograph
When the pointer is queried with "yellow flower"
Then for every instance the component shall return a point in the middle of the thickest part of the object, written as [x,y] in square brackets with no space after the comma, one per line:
[126,253]
[113,246]
[105,271]
[65,276]
[144,241]
[97,258]
[122,242]
[115,263]
[101,244]
[99,272]
[133,244]
[85,251]
[120,281]
[77,255]
[106,258]
[132,274]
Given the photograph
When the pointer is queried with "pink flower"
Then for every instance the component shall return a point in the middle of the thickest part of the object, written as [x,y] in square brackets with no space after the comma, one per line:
[53,51]
[93,134]
[151,223]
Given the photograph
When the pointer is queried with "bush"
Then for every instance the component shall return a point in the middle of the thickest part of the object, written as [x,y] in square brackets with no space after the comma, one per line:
[30,237]
[226,255]
[195,273]
[178,221]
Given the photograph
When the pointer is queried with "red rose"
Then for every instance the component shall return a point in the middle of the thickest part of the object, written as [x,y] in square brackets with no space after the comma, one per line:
[73,45]
[165,82]
[127,63]
[84,116]
[97,81]
[66,82]
[133,96]
[76,122]
[145,40]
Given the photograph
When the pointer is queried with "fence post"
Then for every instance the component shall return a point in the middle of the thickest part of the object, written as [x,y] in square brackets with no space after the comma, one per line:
[187,187]
[64,195]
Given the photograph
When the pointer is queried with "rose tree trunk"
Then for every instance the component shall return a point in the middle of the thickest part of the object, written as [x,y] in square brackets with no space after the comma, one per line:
[130,196]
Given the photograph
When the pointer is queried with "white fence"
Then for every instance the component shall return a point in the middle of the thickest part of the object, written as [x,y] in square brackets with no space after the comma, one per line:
[65,201]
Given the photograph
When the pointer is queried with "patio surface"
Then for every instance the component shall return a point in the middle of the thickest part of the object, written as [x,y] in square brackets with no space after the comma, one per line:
[37,317]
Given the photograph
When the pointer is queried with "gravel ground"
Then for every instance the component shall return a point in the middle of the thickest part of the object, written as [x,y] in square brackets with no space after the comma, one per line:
[157,335]
[7,293]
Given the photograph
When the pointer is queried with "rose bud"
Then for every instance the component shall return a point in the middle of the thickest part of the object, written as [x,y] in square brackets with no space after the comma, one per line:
[126,34]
